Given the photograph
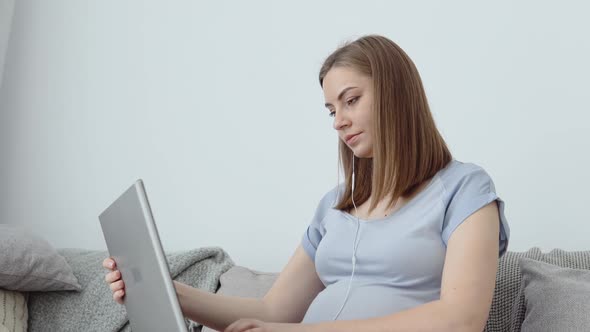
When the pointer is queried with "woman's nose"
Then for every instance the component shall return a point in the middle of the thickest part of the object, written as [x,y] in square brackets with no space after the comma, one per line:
[340,121]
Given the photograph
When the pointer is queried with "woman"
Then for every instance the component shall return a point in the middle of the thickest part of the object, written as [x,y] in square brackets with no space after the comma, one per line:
[410,241]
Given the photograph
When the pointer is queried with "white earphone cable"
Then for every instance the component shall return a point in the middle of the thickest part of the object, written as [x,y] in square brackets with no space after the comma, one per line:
[354,245]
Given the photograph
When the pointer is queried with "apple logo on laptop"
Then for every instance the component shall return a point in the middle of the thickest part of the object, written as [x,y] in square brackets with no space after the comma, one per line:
[136,274]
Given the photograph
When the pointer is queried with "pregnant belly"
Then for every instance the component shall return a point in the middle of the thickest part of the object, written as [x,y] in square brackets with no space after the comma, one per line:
[365,300]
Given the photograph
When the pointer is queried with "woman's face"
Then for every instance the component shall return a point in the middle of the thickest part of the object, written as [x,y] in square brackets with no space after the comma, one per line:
[349,99]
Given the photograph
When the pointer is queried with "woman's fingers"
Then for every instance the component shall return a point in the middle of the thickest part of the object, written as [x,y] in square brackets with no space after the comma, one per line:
[118,285]
[113,276]
[109,263]
[118,296]
[114,280]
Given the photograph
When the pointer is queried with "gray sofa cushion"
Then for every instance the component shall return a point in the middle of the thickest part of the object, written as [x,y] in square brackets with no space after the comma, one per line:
[508,279]
[559,257]
[29,263]
[243,282]
[508,307]
[556,298]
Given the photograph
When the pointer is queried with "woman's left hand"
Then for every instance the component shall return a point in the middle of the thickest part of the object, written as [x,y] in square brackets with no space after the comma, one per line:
[254,325]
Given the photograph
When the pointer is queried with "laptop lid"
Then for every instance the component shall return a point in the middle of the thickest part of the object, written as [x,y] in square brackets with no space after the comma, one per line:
[132,240]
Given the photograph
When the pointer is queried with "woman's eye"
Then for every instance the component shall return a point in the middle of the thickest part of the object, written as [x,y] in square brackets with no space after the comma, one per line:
[351,101]
[348,102]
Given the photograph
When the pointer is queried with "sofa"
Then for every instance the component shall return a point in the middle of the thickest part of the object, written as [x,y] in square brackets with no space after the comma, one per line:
[48,289]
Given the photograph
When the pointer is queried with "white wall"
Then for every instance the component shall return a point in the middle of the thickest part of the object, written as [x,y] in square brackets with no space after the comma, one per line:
[6,8]
[216,106]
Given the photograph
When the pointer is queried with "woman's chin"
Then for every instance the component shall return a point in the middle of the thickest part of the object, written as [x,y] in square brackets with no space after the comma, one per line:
[359,152]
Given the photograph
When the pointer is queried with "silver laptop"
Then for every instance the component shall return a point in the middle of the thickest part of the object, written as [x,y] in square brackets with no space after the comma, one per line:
[132,240]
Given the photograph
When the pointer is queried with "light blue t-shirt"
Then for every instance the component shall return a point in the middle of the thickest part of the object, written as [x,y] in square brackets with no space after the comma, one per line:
[400,257]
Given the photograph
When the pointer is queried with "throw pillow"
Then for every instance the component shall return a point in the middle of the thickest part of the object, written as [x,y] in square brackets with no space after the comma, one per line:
[556,298]
[507,311]
[29,263]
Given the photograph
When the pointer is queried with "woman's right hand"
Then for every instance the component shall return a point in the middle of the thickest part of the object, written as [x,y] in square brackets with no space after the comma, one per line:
[114,280]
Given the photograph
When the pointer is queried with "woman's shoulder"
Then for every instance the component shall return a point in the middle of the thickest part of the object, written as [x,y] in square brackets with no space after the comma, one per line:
[330,198]
[458,174]
[457,170]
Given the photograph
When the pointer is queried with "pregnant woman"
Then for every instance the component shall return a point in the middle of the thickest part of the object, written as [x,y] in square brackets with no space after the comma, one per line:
[410,241]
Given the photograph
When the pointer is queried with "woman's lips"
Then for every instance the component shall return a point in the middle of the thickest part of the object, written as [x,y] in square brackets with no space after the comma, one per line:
[353,139]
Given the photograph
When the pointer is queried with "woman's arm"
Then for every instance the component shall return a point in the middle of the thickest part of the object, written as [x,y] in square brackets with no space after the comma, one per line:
[287,301]
[218,311]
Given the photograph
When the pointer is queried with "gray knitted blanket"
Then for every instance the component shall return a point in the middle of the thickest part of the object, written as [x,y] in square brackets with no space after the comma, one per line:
[93,308]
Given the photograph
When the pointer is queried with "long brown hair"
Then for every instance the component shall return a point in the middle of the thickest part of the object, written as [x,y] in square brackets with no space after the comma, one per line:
[407,147]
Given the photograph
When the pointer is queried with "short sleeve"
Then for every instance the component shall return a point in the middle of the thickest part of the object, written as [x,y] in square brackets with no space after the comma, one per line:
[315,230]
[469,189]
